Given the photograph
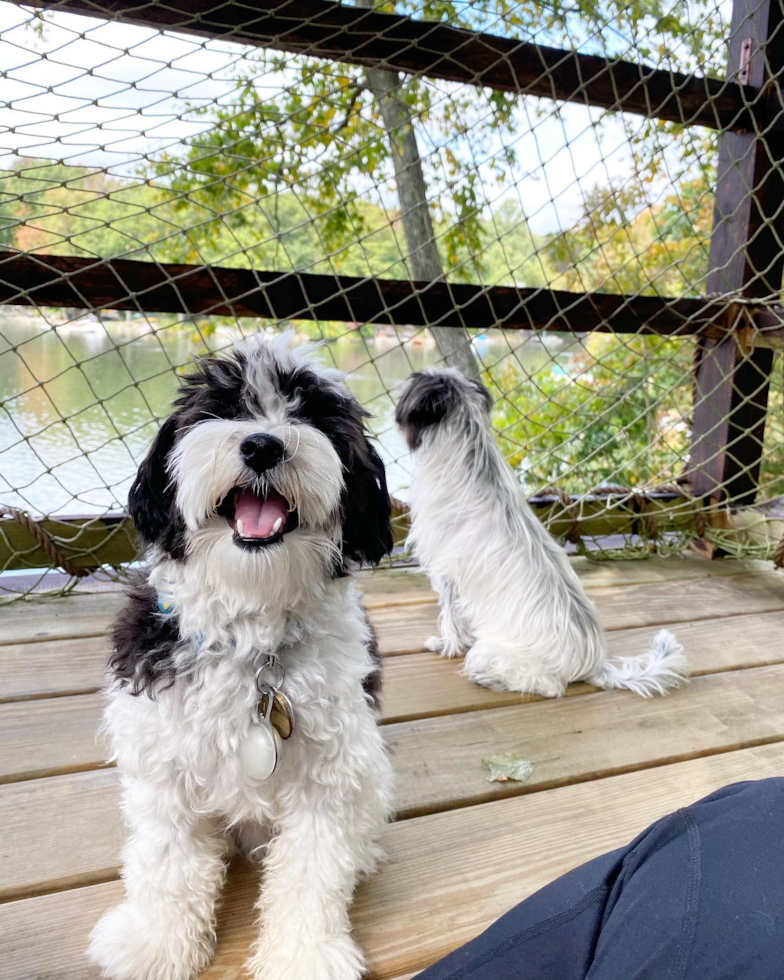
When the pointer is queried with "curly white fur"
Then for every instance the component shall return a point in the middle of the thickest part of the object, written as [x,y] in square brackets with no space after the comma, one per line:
[185,792]
[510,601]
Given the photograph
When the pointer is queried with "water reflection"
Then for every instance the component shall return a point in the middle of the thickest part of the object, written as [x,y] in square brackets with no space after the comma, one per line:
[78,402]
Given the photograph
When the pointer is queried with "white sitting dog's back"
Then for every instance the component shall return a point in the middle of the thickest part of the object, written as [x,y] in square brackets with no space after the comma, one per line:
[510,600]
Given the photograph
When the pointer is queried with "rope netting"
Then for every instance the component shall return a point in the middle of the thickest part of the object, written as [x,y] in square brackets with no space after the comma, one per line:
[171,137]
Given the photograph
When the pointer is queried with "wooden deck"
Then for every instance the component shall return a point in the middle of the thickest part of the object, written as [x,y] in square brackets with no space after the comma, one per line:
[463,850]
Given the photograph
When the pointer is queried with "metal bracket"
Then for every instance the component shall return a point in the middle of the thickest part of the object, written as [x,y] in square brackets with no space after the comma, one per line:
[746,48]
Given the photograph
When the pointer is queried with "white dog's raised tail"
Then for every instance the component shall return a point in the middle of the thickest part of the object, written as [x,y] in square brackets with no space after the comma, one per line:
[658,670]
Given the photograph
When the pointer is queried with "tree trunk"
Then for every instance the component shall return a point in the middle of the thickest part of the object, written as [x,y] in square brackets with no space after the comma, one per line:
[453,343]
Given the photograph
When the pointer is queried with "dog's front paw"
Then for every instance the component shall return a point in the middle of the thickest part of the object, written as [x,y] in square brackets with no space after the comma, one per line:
[444,647]
[338,958]
[130,943]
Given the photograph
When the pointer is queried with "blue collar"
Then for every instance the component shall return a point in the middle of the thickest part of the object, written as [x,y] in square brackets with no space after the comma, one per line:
[166,605]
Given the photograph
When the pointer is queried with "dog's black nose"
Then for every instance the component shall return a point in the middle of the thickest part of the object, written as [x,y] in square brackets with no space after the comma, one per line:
[261,451]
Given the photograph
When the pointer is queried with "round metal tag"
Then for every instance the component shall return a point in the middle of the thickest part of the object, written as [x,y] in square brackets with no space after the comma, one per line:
[258,753]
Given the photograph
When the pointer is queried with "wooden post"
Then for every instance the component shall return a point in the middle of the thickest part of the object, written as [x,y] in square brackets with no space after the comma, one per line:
[747,259]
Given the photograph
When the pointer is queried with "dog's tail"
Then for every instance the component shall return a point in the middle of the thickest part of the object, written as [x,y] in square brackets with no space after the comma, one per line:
[661,668]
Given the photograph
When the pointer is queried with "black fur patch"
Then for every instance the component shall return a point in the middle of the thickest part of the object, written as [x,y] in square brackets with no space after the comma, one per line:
[372,683]
[214,389]
[143,642]
[365,507]
[426,400]
[151,497]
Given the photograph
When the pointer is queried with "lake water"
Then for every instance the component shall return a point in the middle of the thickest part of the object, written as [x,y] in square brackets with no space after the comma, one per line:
[78,403]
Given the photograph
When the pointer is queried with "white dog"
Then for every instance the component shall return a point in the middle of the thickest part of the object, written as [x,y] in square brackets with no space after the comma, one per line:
[258,493]
[510,600]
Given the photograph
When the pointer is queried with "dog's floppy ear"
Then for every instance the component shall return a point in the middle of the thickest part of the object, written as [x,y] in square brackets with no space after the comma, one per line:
[426,400]
[367,534]
[151,497]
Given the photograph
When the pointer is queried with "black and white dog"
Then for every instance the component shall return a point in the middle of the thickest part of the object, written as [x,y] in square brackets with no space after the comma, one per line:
[257,495]
[510,600]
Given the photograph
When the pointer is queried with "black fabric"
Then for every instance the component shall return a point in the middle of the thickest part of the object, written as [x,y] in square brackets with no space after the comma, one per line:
[698,896]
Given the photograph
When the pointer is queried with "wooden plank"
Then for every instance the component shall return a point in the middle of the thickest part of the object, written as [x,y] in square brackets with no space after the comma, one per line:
[425,685]
[372,38]
[58,665]
[59,832]
[62,956]
[54,736]
[155,287]
[600,574]
[438,761]
[52,667]
[91,615]
[715,645]
[746,260]
[690,601]
[404,631]
[394,587]
[620,607]
[44,738]
[426,899]
[48,737]
[59,619]
[86,615]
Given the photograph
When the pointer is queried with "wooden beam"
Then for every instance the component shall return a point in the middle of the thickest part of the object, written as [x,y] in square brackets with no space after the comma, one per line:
[359,36]
[87,542]
[33,279]
[150,287]
[746,260]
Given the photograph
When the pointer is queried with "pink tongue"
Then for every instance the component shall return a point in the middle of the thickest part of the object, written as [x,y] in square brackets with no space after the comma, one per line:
[258,515]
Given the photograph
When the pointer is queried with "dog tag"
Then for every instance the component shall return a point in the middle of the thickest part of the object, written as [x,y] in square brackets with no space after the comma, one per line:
[282,714]
[260,750]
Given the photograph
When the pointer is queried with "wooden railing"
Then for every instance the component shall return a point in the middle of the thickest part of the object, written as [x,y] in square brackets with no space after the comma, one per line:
[735,333]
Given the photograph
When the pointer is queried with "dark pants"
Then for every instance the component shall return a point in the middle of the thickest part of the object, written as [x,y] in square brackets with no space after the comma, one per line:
[698,896]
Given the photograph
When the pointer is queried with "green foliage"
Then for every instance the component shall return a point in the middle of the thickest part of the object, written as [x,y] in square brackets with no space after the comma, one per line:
[321,142]
[610,411]
[70,210]
[621,244]
[77,211]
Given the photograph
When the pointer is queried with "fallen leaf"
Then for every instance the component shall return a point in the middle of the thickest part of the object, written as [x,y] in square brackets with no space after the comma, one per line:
[510,766]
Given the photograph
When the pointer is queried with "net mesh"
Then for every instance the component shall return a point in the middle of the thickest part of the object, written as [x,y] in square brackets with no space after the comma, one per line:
[141,140]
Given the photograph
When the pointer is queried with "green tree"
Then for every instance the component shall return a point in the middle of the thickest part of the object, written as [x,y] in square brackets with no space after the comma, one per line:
[63,209]
[334,130]
[607,412]
[621,244]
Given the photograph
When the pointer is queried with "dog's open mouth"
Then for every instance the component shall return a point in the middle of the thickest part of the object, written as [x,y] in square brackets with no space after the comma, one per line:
[258,520]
